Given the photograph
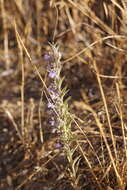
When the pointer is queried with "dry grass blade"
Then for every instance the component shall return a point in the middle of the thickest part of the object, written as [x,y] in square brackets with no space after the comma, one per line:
[106,109]
[92,45]
[121,118]
[22,87]
[6,48]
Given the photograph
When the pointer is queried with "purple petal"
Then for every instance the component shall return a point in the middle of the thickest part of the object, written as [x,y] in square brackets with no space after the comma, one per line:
[52,74]
[50,105]
[47,57]
[52,122]
[54,95]
[58,145]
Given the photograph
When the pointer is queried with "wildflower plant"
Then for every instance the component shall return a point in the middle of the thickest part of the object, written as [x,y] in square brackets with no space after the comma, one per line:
[57,107]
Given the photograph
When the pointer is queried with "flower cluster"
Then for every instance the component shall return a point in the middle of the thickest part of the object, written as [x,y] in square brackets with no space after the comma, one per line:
[57,108]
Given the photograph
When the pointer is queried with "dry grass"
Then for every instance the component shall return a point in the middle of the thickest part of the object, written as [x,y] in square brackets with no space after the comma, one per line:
[92,36]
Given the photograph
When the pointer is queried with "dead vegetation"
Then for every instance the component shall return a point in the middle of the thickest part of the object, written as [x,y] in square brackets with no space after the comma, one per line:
[92,36]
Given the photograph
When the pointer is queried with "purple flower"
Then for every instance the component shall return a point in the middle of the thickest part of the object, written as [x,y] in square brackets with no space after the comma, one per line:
[58,145]
[50,105]
[54,95]
[52,74]
[47,57]
[52,123]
